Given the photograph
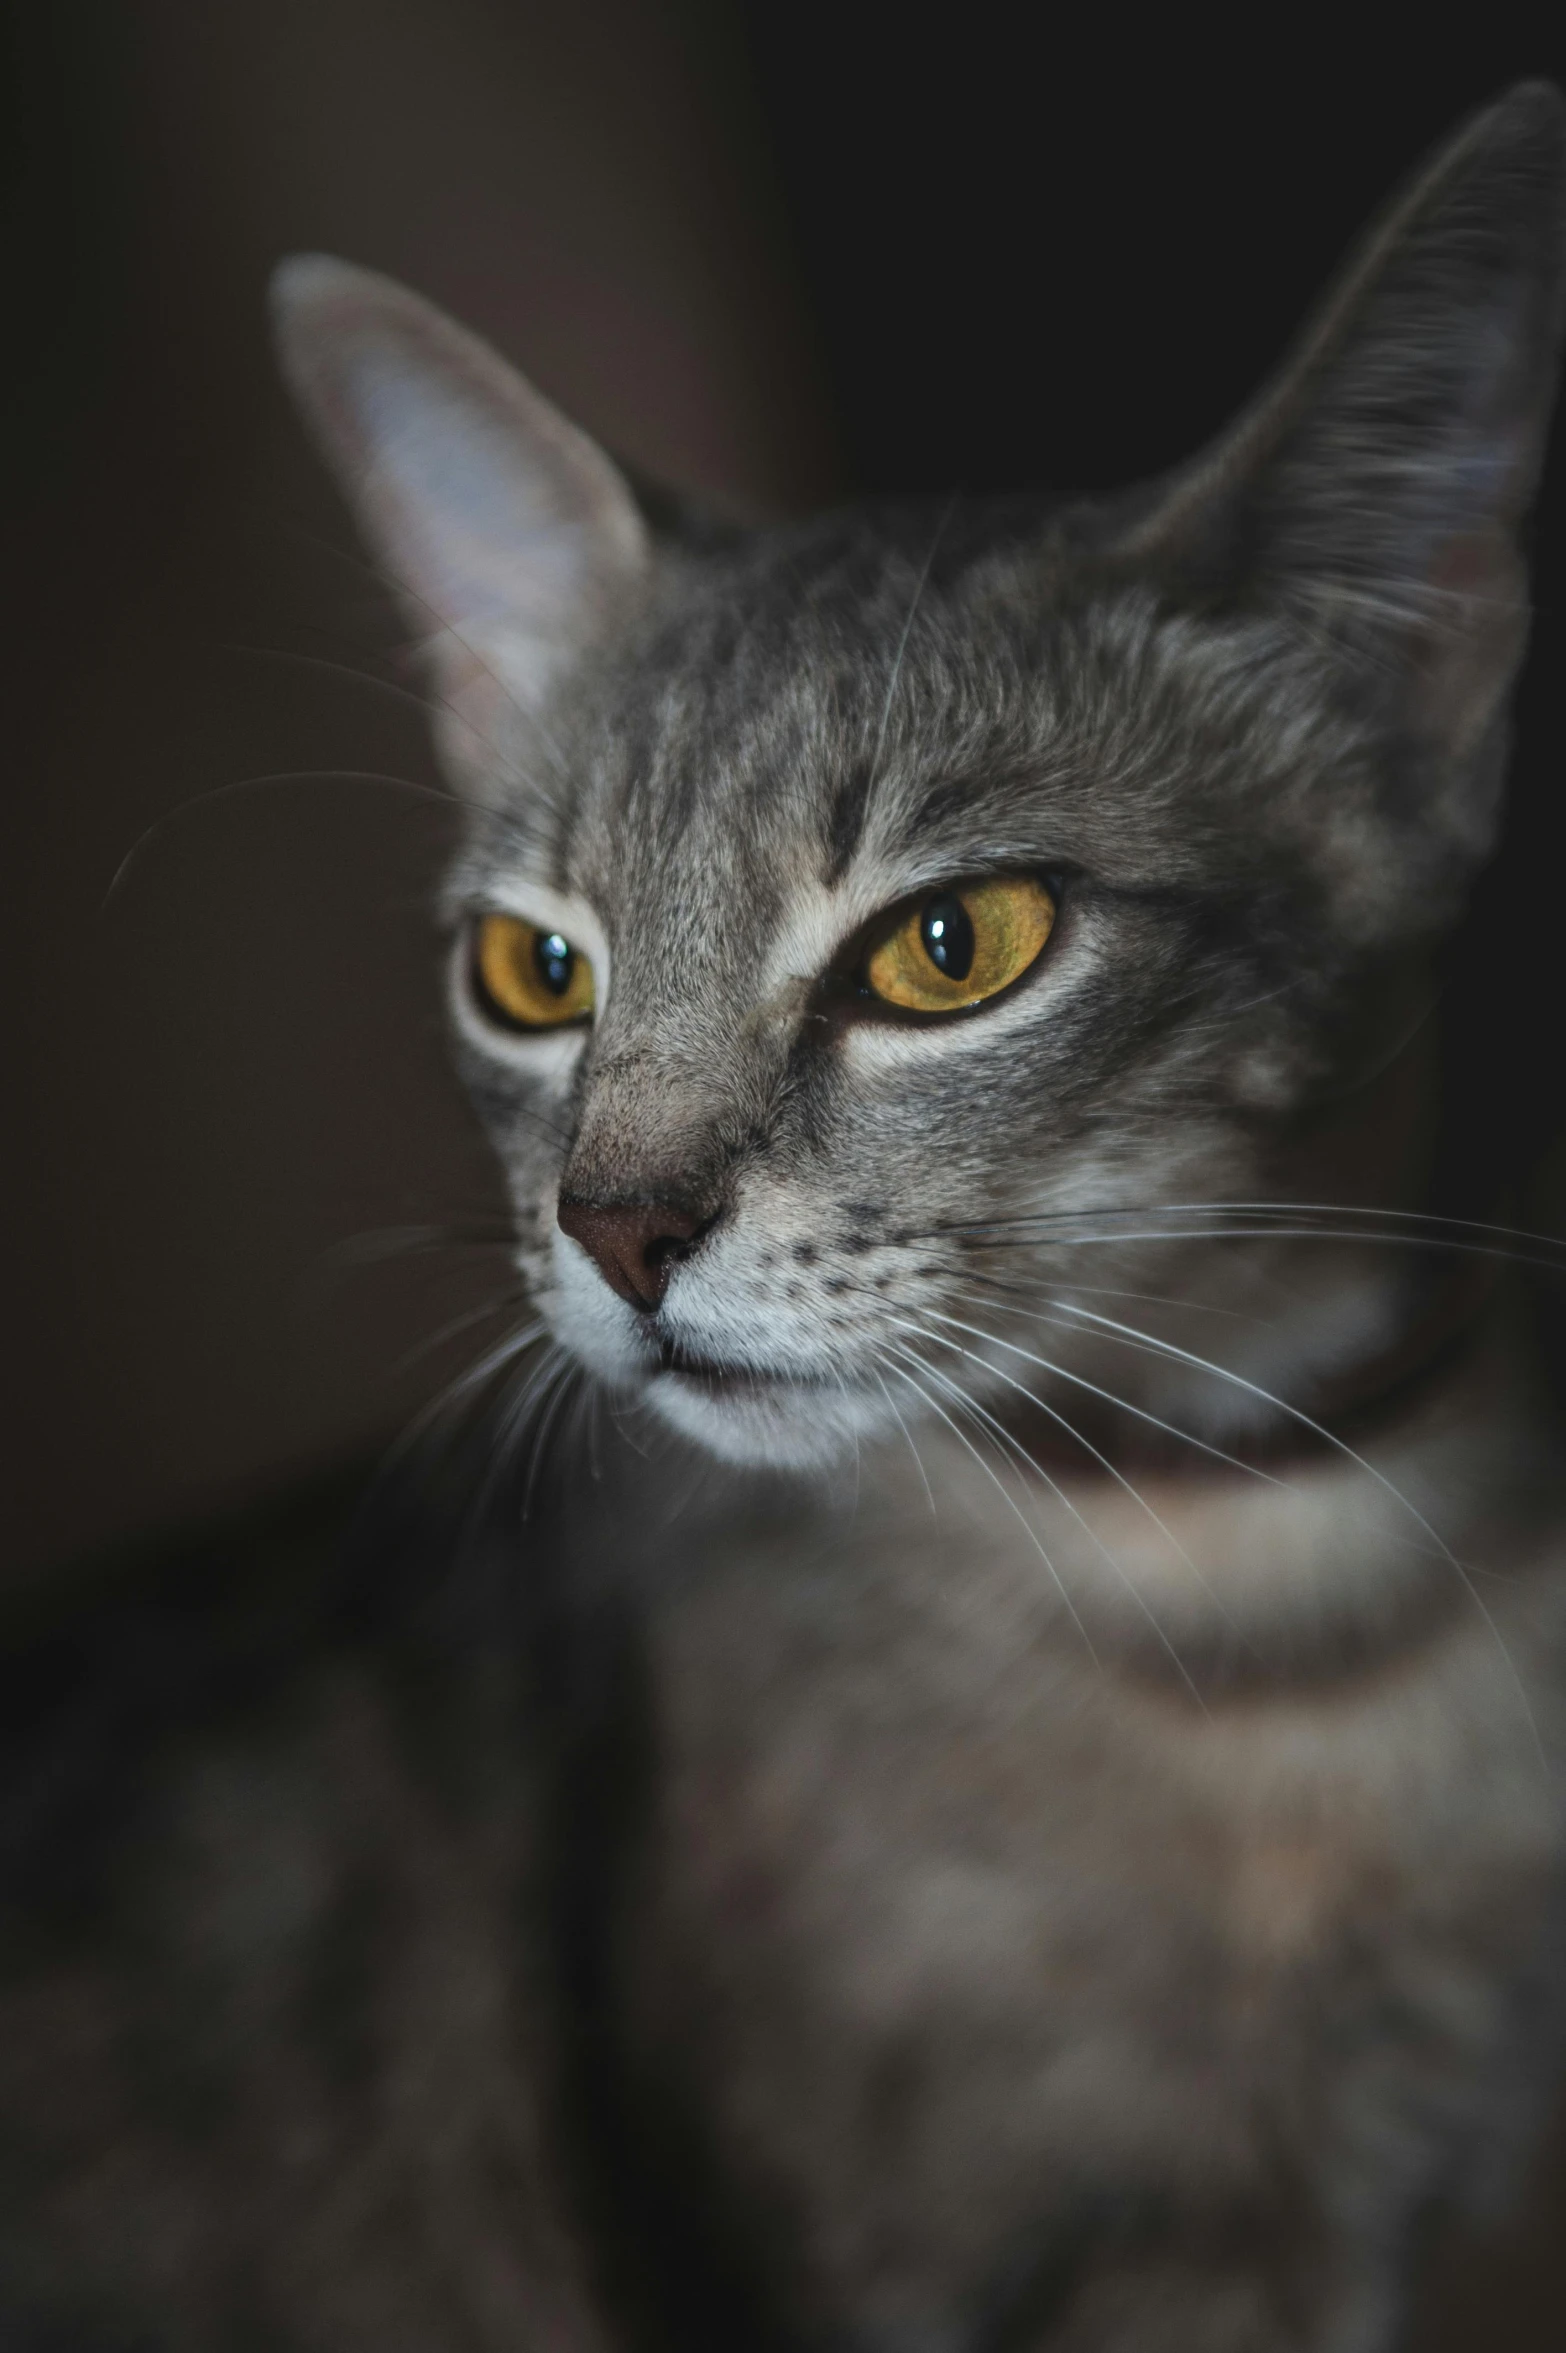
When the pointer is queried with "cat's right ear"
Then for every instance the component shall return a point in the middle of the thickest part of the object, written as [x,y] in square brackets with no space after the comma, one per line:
[1378,489]
[509,536]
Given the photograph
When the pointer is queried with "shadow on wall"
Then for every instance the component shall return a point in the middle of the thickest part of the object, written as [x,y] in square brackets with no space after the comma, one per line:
[218,1081]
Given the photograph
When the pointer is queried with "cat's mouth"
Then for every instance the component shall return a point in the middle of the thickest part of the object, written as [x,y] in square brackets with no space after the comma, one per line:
[754,1413]
[715,1377]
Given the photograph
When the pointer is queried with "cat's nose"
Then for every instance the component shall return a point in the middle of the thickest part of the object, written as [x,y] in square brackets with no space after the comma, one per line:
[634,1244]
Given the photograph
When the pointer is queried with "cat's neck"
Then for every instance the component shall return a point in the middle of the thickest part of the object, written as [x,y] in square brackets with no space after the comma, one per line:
[1357,1402]
[1289,1557]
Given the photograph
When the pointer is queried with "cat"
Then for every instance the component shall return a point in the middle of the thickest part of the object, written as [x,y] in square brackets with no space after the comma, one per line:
[1007,1792]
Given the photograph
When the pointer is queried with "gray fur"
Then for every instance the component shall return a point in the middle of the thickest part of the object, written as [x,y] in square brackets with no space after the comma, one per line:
[1047,1845]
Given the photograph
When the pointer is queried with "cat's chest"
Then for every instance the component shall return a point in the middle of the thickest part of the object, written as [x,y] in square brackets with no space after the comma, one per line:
[934,1909]
[920,1794]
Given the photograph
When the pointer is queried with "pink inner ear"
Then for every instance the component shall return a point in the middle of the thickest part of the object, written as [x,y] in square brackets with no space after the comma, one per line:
[1466,654]
[508,533]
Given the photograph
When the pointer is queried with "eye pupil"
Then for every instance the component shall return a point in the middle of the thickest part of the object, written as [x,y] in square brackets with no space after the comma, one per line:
[947,932]
[556,960]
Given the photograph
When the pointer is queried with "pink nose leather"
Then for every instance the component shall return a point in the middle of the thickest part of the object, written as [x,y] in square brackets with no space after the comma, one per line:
[632,1243]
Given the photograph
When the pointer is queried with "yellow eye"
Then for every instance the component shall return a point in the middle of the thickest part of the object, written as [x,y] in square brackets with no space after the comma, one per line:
[527,978]
[963,945]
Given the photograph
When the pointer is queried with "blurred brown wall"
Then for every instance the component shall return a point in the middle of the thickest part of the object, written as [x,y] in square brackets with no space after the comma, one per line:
[216,1081]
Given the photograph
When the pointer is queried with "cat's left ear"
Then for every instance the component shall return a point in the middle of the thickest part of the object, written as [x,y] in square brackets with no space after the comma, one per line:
[511,539]
[1378,487]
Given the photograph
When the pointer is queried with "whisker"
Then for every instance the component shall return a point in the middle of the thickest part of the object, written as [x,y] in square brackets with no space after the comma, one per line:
[386,1242]
[1111,1291]
[1146,1344]
[248,784]
[1139,1413]
[988,1469]
[560,1389]
[592,1402]
[423,703]
[402,592]
[484,1368]
[1468,1225]
[1129,1584]
[1102,1459]
[1344,1220]
[908,1435]
[510,1425]
[500,1305]
[1277,1233]
[1341,1446]
[902,643]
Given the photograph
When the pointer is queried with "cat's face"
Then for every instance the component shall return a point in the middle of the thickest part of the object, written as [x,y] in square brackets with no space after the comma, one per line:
[872,935]
[808,736]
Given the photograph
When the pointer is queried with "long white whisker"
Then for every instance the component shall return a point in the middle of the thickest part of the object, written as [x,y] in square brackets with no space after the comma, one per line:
[1147,1346]
[1140,1413]
[1368,1211]
[1267,1220]
[513,1419]
[1056,1490]
[1318,1429]
[501,1305]
[473,1378]
[386,1242]
[445,1400]
[1129,1584]
[1086,1444]
[327,663]
[1010,1236]
[1118,1291]
[557,1390]
[1371,1211]
[988,1469]
[892,1408]
[249,784]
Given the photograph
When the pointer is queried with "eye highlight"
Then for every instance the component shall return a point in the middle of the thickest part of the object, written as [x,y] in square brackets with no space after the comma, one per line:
[527,978]
[959,946]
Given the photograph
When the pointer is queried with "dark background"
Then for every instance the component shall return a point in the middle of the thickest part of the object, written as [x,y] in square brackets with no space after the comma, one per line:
[773,252]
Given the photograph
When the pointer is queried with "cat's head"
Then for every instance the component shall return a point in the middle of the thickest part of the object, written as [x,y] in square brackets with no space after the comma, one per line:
[871,933]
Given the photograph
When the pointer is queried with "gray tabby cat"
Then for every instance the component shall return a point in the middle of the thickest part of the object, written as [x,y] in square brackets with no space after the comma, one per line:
[1054,1839]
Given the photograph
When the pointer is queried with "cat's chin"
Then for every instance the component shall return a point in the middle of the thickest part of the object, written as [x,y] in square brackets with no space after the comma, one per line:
[757,1423]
